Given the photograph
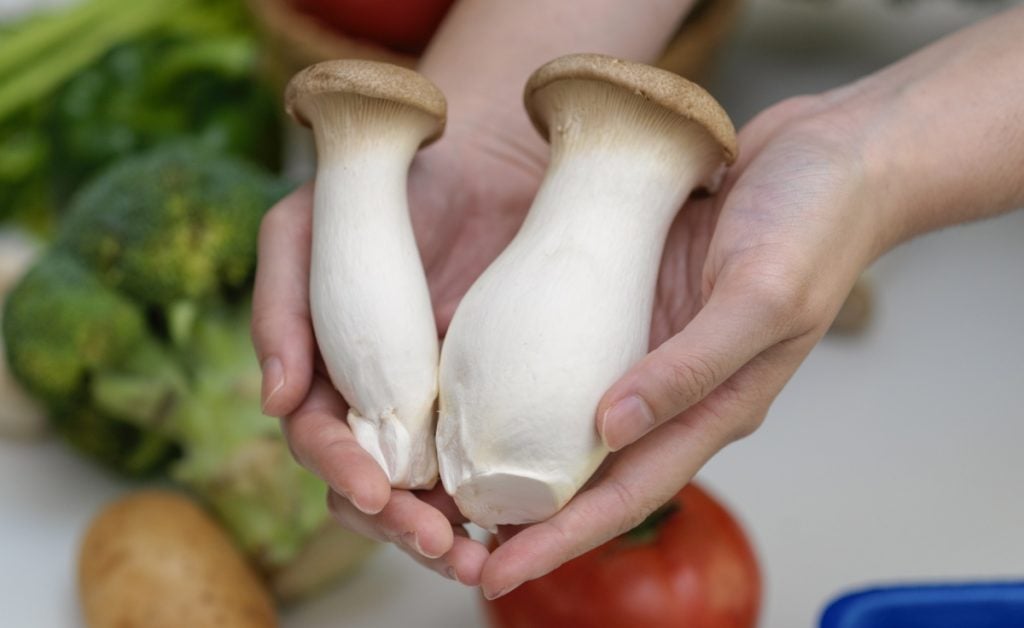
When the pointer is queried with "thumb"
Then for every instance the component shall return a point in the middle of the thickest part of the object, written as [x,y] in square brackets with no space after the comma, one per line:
[729,331]
[281,330]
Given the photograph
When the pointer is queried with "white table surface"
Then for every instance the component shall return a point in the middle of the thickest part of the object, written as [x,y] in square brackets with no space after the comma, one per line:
[897,455]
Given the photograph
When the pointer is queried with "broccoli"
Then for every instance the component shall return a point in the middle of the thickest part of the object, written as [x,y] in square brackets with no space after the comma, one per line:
[263,494]
[177,223]
[63,328]
[62,323]
[133,330]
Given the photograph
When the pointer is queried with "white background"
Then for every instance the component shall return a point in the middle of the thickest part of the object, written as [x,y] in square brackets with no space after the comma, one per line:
[892,456]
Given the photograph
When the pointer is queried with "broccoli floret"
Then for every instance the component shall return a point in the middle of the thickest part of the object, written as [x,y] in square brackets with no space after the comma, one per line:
[64,330]
[61,323]
[178,223]
[114,443]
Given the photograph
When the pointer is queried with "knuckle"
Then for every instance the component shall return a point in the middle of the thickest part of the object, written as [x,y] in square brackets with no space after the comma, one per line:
[342,449]
[276,219]
[312,439]
[632,507]
[786,302]
[793,106]
[298,440]
[625,505]
[273,220]
[290,218]
[690,380]
[257,325]
[745,422]
[264,324]
[341,510]
[337,505]
[753,422]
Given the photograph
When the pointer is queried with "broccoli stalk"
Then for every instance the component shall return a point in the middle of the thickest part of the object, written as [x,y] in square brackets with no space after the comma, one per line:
[235,457]
[206,400]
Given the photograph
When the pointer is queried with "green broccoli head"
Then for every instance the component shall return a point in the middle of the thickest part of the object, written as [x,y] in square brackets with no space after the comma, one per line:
[177,223]
[114,443]
[61,323]
[64,332]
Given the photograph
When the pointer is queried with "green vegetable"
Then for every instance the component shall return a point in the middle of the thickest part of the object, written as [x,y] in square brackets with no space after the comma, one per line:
[133,329]
[93,39]
[185,230]
[83,86]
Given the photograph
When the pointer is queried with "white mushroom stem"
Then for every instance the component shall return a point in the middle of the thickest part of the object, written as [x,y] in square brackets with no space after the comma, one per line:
[566,308]
[369,301]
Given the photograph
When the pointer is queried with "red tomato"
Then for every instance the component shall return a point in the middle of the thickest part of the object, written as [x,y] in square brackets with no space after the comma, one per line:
[404,25]
[689,565]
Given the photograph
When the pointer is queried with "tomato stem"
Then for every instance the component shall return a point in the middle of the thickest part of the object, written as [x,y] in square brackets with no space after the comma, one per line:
[647,531]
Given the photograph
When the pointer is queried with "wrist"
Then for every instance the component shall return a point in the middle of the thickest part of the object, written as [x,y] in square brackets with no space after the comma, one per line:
[482,165]
[941,129]
[487,130]
[857,120]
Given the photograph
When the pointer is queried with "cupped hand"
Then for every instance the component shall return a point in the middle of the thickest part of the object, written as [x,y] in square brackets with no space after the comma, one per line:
[751,279]
[466,202]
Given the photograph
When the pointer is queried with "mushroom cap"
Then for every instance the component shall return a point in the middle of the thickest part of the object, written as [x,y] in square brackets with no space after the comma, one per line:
[371,79]
[668,90]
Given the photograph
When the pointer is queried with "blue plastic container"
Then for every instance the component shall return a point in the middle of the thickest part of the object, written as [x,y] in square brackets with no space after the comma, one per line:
[983,605]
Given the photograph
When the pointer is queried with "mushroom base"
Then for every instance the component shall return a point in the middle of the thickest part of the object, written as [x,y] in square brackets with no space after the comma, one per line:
[512,498]
[408,459]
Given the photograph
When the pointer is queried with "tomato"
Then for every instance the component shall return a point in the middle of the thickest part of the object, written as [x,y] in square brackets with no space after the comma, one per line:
[404,25]
[688,565]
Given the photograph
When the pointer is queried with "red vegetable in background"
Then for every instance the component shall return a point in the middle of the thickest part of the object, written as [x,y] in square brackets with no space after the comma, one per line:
[403,25]
[689,564]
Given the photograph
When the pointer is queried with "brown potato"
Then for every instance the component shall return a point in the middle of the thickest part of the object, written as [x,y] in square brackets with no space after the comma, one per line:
[155,559]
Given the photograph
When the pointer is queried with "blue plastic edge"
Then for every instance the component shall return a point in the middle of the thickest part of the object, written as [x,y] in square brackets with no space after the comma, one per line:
[854,609]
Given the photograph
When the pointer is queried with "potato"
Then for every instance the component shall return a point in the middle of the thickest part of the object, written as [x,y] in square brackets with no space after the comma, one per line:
[154,559]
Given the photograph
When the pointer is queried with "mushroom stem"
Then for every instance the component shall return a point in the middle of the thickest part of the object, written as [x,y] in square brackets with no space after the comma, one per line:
[566,308]
[369,301]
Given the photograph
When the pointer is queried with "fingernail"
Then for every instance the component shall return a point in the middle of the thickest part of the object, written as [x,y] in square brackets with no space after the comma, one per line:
[500,592]
[273,380]
[352,500]
[450,572]
[361,508]
[410,540]
[626,421]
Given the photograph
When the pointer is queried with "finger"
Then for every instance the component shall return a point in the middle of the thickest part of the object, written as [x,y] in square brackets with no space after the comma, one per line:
[421,531]
[439,499]
[281,328]
[646,475]
[404,520]
[323,443]
[463,563]
[738,322]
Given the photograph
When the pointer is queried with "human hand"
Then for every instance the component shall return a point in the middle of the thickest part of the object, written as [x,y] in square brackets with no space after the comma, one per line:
[466,201]
[751,279]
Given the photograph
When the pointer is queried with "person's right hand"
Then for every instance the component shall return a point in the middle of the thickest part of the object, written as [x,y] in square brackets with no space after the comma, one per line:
[466,201]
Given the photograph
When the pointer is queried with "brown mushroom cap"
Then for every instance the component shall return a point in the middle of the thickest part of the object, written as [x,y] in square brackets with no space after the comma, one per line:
[661,87]
[371,79]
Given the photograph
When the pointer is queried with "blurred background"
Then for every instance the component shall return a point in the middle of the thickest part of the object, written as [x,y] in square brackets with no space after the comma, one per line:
[894,455]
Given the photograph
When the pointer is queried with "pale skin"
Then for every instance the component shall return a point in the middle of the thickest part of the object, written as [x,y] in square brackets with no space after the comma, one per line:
[750,281]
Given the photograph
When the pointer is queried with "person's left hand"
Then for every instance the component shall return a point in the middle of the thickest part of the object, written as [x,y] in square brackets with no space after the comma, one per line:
[750,281]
